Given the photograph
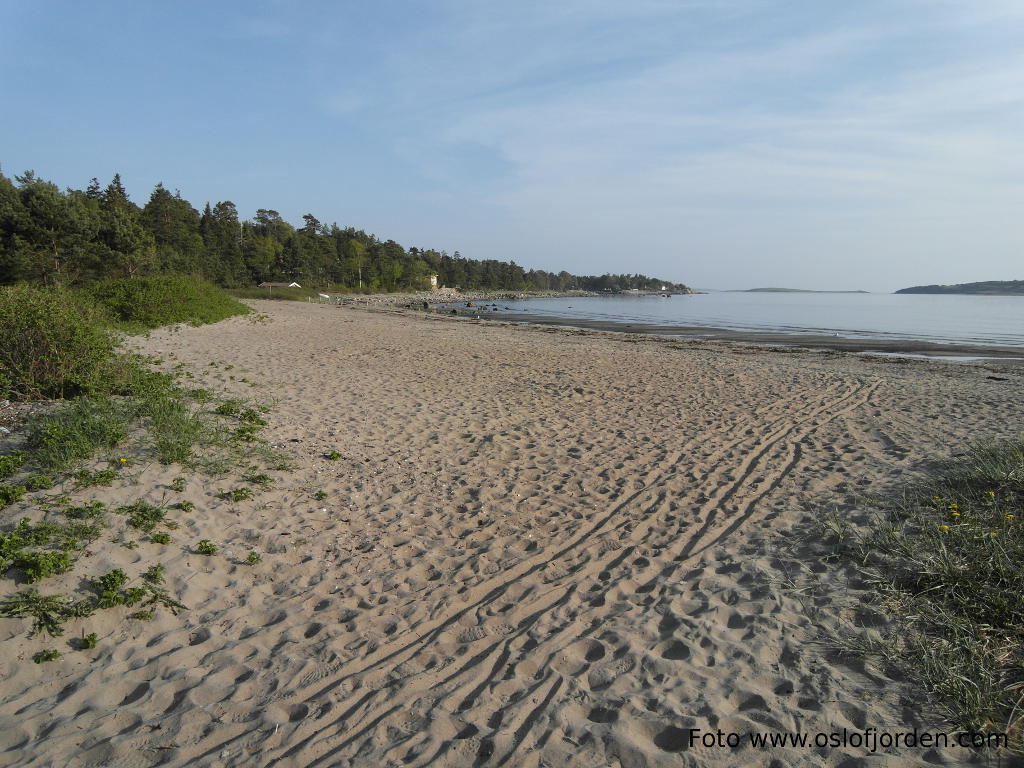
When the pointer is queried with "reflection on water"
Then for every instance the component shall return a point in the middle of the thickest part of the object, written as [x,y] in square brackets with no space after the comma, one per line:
[977,320]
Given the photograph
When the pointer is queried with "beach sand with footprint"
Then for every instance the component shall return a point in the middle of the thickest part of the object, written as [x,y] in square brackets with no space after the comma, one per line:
[538,547]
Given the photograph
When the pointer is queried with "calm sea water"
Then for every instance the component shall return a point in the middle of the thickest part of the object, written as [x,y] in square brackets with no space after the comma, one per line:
[975,320]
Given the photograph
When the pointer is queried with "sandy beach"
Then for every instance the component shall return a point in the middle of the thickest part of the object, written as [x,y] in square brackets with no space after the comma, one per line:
[539,547]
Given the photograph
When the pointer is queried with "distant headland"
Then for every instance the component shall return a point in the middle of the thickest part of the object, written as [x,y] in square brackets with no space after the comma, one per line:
[987,288]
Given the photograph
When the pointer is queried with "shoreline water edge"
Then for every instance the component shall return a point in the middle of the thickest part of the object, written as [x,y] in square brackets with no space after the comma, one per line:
[483,306]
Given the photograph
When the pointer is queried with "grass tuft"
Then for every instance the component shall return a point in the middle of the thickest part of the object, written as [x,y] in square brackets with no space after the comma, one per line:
[945,562]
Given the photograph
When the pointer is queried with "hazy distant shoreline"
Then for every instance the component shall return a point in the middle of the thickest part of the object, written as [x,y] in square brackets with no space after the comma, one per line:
[987,288]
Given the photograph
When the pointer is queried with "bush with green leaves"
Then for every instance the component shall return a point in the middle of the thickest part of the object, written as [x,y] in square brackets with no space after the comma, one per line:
[11,463]
[149,302]
[38,482]
[56,344]
[206,547]
[237,494]
[42,549]
[146,517]
[9,494]
[48,655]
[38,565]
[108,588]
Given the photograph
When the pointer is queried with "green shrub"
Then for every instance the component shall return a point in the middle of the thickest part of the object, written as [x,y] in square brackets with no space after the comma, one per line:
[145,516]
[38,482]
[38,565]
[206,547]
[16,546]
[55,344]
[48,612]
[149,302]
[237,494]
[44,656]
[108,588]
[11,493]
[11,463]
[133,595]
[88,642]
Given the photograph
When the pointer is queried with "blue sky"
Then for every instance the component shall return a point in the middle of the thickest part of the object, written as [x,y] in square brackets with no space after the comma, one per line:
[734,143]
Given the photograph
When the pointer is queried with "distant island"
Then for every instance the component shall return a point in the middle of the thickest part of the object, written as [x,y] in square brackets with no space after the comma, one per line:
[789,290]
[987,288]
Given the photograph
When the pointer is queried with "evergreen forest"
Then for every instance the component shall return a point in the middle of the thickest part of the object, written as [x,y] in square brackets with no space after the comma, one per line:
[78,237]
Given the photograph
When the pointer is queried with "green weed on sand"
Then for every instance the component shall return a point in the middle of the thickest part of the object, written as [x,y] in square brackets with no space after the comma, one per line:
[947,562]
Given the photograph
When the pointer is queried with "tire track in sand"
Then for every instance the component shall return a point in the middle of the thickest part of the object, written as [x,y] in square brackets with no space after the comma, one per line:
[314,735]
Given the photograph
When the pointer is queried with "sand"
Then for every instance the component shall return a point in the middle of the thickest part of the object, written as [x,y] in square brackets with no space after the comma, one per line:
[539,547]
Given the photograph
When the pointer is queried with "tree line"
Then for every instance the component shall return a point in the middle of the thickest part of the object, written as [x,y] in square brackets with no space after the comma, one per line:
[76,237]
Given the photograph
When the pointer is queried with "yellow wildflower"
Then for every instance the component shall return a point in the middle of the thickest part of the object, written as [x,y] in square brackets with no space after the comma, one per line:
[954,513]
[1010,517]
[123,460]
[994,534]
[944,528]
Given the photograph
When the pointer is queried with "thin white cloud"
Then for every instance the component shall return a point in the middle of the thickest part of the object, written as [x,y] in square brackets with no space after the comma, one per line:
[889,126]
